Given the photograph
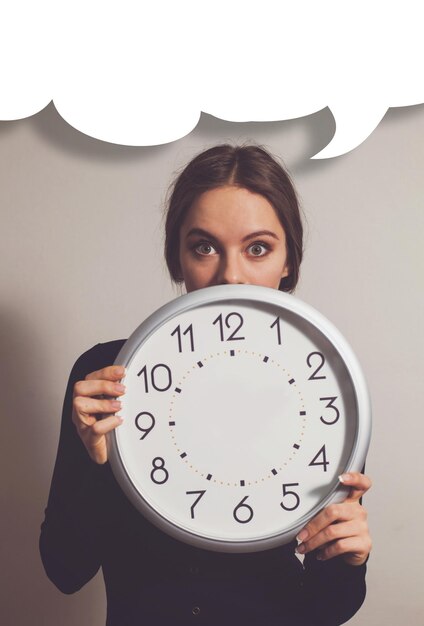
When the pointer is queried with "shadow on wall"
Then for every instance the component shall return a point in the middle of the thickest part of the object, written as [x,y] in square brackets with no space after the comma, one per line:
[28,404]
[52,128]
[316,131]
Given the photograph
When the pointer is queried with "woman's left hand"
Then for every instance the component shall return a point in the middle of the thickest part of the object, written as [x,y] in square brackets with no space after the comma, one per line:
[340,529]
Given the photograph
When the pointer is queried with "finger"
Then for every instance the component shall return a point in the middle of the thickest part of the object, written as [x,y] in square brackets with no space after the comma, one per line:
[356,550]
[98,387]
[112,372]
[94,437]
[85,409]
[358,483]
[104,426]
[334,532]
[333,513]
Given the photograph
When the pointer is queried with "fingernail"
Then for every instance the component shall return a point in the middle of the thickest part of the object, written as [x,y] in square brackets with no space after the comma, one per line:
[302,535]
[116,404]
[120,418]
[345,478]
[119,387]
[300,548]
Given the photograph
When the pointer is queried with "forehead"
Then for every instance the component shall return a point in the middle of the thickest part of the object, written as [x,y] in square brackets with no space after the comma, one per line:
[232,207]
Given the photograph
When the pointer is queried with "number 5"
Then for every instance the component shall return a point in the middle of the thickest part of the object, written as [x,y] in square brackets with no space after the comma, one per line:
[287,492]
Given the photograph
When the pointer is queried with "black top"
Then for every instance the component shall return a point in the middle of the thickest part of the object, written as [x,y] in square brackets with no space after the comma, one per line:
[154,579]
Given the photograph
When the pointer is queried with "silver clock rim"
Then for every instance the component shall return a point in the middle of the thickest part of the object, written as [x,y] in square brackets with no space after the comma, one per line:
[252,294]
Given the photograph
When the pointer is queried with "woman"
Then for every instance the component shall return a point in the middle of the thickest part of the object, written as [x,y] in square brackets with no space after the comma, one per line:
[233,217]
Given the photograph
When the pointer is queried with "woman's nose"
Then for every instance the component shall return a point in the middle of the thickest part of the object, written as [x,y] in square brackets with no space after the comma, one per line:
[231,271]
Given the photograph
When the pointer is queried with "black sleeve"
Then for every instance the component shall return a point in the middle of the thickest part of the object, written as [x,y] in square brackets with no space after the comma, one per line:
[332,590]
[72,531]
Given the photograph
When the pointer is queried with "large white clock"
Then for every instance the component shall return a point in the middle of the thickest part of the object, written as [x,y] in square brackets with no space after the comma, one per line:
[243,405]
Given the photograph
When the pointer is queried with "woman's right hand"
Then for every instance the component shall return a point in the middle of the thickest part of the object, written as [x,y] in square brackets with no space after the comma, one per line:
[93,412]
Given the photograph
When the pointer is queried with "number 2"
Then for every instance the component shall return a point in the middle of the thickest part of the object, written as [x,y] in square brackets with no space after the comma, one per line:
[321,360]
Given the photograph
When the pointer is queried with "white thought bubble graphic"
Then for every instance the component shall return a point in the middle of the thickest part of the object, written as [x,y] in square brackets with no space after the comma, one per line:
[141,73]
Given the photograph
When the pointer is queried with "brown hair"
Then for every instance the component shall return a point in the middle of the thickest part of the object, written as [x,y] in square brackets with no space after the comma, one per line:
[250,167]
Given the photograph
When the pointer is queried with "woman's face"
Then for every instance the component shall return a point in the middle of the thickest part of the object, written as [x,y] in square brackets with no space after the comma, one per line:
[232,236]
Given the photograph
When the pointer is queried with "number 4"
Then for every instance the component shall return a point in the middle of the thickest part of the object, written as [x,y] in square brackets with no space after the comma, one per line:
[321,453]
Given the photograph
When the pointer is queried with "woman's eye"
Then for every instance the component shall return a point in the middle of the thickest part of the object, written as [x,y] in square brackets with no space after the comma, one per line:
[204,249]
[257,249]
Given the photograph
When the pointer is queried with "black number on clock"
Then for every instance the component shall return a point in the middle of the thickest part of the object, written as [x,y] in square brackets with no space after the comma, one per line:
[277,325]
[189,331]
[243,509]
[330,405]
[321,453]
[290,492]
[201,493]
[318,357]
[233,336]
[159,473]
[144,429]
[158,381]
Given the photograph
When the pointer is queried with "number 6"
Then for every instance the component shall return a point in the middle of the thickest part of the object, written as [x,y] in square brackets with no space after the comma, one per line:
[241,505]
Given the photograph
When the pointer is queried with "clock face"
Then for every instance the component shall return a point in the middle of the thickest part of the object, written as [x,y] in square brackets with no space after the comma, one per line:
[243,405]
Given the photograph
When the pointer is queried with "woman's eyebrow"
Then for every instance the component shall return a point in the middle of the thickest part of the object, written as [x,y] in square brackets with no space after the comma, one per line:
[261,233]
[199,232]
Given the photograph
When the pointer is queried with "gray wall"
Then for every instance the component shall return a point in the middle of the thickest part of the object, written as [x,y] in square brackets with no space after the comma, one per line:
[81,236]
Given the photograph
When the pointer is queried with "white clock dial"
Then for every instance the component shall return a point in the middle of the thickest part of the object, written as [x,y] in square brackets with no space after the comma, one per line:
[243,406]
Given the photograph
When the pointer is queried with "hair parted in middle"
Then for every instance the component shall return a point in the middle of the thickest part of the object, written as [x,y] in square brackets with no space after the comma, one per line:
[248,166]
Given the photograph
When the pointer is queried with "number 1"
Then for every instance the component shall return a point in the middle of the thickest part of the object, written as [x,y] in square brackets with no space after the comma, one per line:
[277,324]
